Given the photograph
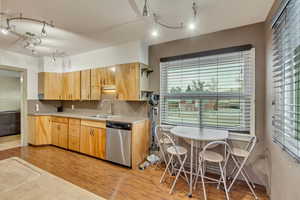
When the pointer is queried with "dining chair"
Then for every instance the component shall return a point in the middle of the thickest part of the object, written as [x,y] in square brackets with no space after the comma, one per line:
[221,159]
[175,151]
[240,155]
[162,141]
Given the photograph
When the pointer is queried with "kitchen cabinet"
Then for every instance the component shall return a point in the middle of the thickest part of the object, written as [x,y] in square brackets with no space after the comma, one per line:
[74,135]
[96,85]
[50,86]
[140,142]
[93,138]
[85,84]
[39,130]
[59,132]
[127,82]
[108,75]
[71,85]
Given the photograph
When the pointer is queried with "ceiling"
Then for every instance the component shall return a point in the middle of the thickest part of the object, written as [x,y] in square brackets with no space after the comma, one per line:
[92,24]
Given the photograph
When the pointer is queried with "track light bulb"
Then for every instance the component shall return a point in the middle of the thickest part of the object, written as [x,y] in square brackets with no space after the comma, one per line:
[4,31]
[192,26]
[154,33]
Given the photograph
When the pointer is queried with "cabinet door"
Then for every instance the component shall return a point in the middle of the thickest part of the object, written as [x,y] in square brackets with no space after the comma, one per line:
[39,128]
[128,82]
[71,86]
[74,134]
[86,140]
[67,85]
[55,133]
[60,134]
[75,87]
[85,84]
[96,84]
[99,135]
[92,141]
[44,130]
[108,75]
[50,85]
[32,130]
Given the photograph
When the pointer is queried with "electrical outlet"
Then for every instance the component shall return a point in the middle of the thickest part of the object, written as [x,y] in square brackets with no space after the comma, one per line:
[37,107]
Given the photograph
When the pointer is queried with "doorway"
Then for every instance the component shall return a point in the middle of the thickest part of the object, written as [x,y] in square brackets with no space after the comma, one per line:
[13,107]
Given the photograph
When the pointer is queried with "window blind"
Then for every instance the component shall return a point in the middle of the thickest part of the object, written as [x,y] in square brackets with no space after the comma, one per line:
[286,59]
[208,90]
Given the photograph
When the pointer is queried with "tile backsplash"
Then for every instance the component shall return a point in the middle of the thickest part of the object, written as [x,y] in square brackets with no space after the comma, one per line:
[124,108]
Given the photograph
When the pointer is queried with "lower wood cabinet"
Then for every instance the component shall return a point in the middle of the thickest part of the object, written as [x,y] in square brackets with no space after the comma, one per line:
[39,130]
[85,136]
[74,134]
[92,141]
[59,133]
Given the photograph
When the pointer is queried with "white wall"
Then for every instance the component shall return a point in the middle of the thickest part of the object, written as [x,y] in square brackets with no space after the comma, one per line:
[10,93]
[136,51]
[26,62]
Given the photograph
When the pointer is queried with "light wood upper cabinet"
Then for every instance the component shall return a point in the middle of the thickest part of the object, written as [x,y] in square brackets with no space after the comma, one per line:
[50,86]
[128,81]
[59,133]
[85,84]
[93,141]
[39,130]
[108,75]
[71,85]
[96,85]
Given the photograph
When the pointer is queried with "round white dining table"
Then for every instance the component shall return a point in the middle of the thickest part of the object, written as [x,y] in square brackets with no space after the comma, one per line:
[197,134]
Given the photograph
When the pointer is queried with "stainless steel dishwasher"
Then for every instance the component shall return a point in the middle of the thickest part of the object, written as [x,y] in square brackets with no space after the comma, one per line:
[118,142]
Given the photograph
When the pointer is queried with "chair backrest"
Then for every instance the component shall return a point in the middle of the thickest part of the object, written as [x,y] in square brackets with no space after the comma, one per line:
[250,140]
[227,149]
[159,129]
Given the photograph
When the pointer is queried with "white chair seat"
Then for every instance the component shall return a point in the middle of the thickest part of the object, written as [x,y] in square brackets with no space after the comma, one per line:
[177,150]
[211,156]
[165,141]
[240,152]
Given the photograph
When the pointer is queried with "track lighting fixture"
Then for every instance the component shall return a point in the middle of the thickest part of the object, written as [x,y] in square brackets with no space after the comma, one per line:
[4,31]
[191,26]
[44,33]
[146,11]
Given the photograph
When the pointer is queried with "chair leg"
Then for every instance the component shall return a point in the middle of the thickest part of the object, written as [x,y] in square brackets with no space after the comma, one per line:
[224,181]
[167,167]
[224,169]
[245,178]
[180,169]
[197,175]
[246,174]
[202,180]
[181,163]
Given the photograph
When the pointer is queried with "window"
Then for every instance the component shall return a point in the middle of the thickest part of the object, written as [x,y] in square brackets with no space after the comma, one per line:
[209,89]
[286,51]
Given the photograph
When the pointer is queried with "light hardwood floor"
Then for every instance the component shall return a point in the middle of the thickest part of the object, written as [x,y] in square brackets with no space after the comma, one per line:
[8,142]
[114,182]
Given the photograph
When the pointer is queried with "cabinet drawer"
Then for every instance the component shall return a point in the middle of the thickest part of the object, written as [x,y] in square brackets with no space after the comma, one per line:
[60,120]
[95,124]
[74,121]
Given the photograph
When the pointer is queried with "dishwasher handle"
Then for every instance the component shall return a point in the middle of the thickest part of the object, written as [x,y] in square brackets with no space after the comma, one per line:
[118,125]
